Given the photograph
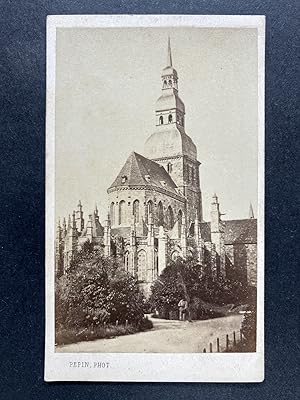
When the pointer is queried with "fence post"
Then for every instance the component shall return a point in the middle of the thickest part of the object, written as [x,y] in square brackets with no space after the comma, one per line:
[210,347]
[117,322]
[227,342]
[126,323]
[218,345]
[204,350]
[234,340]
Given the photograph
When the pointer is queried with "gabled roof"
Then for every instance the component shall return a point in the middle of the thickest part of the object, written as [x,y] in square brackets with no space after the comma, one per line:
[140,171]
[236,231]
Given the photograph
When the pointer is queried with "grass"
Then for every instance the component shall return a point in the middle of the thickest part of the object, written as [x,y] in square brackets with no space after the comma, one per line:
[65,336]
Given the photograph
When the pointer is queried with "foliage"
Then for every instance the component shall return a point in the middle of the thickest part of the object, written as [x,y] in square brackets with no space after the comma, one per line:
[72,335]
[249,328]
[187,279]
[97,291]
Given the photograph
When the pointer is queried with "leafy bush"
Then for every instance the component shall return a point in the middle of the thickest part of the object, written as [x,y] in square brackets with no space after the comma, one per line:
[187,279]
[97,291]
[249,329]
[72,335]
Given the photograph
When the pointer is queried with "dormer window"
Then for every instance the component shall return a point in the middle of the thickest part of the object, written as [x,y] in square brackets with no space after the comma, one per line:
[169,167]
[163,183]
[124,179]
[147,177]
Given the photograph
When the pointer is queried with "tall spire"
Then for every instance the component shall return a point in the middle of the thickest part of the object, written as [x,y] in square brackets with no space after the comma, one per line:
[251,212]
[169,59]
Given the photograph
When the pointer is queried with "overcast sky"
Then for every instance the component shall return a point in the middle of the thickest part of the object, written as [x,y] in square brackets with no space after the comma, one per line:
[107,82]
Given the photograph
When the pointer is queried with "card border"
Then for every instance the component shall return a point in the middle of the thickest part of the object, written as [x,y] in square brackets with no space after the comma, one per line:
[134,367]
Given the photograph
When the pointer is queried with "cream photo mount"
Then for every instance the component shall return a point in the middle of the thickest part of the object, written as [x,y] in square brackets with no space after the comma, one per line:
[150,367]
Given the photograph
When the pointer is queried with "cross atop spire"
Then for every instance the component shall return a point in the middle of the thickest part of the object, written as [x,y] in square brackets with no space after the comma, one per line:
[169,59]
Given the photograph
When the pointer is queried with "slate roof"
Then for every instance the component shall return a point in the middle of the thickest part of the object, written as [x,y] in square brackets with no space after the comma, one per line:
[140,171]
[236,231]
[241,231]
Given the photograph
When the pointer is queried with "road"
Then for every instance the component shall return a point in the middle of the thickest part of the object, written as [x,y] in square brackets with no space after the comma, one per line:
[167,336]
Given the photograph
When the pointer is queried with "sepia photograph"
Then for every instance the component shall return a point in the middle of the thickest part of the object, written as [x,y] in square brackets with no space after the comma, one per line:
[155,207]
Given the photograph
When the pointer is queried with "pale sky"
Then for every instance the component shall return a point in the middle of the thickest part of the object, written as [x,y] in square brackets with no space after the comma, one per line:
[107,83]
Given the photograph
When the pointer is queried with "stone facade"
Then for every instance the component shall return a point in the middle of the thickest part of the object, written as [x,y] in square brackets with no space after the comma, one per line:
[155,209]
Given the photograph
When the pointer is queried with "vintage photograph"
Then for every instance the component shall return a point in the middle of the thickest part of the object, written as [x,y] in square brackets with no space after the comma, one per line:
[157,195]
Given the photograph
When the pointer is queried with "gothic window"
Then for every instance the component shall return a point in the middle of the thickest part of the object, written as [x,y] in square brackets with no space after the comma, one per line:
[122,212]
[170,118]
[161,120]
[112,213]
[170,218]
[155,263]
[160,214]
[190,254]
[188,173]
[141,266]
[136,211]
[126,261]
[193,174]
[149,209]
[169,167]
[179,218]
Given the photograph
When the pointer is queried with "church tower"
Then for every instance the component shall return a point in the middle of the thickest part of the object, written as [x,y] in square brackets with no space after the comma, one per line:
[171,147]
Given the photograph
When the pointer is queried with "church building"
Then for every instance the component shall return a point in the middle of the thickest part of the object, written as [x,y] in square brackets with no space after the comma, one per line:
[155,208]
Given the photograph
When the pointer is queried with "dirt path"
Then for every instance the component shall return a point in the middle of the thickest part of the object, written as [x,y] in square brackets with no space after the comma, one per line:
[167,336]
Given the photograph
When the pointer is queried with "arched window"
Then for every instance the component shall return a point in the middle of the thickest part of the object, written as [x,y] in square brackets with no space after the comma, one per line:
[136,211]
[165,83]
[126,261]
[122,212]
[170,82]
[161,120]
[170,218]
[141,266]
[149,209]
[160,214]
[155,264]
[175,255]
[179,218]
[112,213]
[170,118]
[190,254]
[169,167]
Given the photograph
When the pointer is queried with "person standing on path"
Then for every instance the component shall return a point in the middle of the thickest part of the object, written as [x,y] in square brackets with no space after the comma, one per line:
[183,305]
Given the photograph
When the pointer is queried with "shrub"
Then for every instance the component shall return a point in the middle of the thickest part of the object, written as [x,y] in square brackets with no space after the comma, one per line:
[97,290]
[248,328]
[187,279]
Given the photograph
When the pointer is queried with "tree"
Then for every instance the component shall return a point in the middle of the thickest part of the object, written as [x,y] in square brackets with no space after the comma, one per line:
[188,279]
[95,290]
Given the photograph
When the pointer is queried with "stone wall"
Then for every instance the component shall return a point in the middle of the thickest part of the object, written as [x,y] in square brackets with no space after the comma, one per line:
[241,262]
